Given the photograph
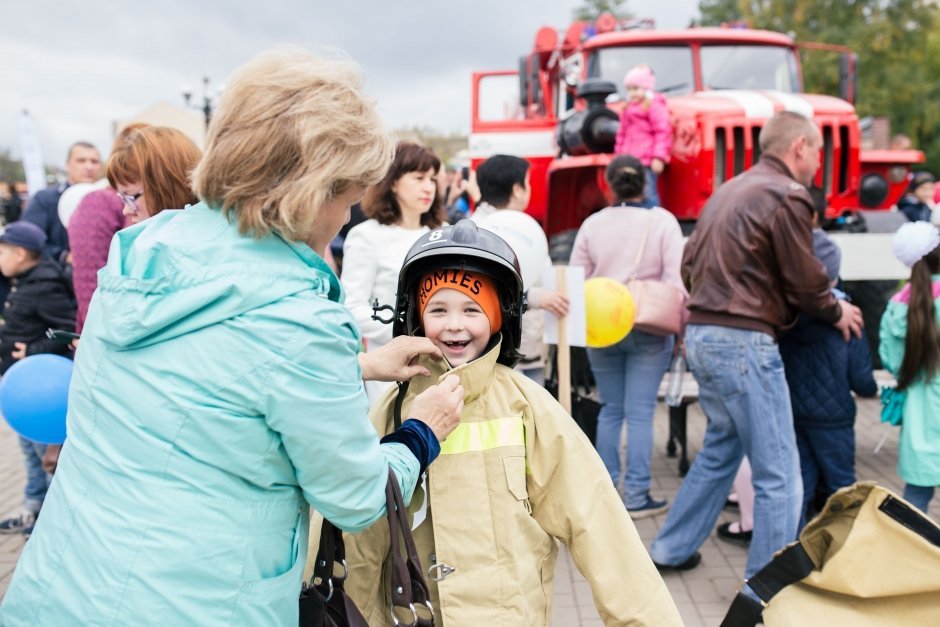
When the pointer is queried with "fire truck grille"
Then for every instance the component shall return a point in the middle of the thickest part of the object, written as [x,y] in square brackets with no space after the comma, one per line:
[738,148]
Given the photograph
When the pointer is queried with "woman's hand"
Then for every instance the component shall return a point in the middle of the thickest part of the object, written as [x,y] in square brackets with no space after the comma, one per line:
[397,360]
[555,302]
[657,166]
[439,407]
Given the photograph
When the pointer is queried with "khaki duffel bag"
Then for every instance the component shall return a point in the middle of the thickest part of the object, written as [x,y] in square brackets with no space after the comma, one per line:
[870,558]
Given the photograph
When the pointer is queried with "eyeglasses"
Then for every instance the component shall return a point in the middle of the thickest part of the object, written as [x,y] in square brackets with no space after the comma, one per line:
[130,200]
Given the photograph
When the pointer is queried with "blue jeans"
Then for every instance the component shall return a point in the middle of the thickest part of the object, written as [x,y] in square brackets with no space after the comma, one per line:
[744,394]
[628,375]
[651,191]
[918,496]
[827,463]
[37,480]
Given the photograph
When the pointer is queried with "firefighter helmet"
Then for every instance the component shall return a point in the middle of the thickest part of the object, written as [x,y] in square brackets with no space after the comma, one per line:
[464,246]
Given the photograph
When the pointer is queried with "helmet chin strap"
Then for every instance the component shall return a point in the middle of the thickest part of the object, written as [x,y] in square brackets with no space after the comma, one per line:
[399,399]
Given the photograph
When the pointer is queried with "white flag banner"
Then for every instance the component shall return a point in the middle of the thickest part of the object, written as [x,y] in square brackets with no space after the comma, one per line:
[32,155]
[576,320]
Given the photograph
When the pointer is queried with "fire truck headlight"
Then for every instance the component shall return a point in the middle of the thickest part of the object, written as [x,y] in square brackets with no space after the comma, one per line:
[897,173]
[873,190]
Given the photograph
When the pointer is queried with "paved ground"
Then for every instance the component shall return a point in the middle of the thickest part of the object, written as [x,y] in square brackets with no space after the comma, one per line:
[702,594]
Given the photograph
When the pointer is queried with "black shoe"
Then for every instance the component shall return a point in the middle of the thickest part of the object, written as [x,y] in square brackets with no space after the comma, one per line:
[688,564]
[732,506]
[741,538]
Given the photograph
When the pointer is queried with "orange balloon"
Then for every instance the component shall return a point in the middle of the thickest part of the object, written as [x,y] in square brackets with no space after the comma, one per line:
[610,311]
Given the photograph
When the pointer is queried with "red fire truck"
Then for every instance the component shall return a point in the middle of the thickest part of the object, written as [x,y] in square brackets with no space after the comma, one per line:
[560,110]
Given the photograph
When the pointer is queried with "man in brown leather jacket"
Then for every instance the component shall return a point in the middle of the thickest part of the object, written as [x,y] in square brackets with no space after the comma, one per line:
[750,270]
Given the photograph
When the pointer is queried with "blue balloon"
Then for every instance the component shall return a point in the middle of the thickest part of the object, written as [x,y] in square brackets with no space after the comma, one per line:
[34,396]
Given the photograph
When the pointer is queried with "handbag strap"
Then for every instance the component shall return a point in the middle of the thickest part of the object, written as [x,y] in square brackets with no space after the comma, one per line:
[409,588]
[642,248]
[331,550]
[789,566]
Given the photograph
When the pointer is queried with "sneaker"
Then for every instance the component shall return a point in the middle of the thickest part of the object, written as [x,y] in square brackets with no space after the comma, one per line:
[18,524]
[650,508]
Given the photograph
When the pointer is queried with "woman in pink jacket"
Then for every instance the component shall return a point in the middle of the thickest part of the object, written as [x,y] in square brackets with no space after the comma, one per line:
[628,373]
[645,131]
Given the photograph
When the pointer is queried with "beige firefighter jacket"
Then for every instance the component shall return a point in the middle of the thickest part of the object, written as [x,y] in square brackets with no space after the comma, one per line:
[515,475]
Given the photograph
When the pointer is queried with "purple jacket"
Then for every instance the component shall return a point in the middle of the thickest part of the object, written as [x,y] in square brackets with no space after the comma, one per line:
[645,132]
[96,219]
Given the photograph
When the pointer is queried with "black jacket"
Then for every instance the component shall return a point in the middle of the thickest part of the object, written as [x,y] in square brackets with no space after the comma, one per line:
[822,371]
[914,209]
[41,298]
[43,211]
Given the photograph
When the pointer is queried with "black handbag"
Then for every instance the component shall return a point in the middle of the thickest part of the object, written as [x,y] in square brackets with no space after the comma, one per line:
[584,410]
[324,603]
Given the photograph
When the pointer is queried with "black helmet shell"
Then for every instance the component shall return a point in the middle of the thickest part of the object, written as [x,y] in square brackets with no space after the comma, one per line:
[464,246]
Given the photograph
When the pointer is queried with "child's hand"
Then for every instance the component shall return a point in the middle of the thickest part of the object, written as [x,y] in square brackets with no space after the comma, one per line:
[657,165]
[19,350]
[555,302]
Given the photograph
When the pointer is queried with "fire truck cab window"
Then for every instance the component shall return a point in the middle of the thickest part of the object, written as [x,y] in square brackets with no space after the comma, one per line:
[671,64]
[498,99]
[749,67]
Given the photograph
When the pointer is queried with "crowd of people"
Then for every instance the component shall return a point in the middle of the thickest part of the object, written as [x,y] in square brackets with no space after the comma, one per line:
[230,375]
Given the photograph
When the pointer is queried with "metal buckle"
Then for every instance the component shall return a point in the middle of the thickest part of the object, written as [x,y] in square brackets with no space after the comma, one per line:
[443,571]
[430,610]
[414,615]
[376,308]
[330,584]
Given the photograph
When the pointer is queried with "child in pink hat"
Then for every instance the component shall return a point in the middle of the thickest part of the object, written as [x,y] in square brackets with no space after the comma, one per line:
[645,131]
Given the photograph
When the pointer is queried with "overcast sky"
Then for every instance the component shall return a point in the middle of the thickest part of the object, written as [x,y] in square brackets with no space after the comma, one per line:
[79,66]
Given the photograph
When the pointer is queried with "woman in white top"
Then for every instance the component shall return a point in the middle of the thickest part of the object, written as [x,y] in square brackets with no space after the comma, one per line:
[400,208]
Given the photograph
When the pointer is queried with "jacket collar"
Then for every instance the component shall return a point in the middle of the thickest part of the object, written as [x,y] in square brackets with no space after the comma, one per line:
[315,261]
[475,376]
[776,163]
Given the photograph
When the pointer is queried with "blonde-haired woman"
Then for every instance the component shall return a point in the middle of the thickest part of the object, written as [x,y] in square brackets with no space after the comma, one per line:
[217,392]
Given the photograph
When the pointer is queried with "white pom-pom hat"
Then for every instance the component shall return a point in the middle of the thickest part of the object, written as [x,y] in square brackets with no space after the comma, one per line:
[914,240]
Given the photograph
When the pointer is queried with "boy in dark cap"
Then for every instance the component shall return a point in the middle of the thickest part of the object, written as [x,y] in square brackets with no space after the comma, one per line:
[40,298]
[822,371]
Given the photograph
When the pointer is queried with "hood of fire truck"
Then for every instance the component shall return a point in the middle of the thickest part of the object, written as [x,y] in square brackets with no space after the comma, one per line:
[756,104]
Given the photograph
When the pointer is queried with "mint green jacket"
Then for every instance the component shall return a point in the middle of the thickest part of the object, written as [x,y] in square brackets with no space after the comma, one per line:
[919,452]
[216,394]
